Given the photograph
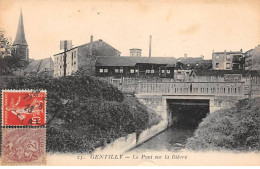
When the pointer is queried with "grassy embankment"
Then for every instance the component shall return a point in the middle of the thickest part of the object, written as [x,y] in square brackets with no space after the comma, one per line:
[84,113]
[233,129]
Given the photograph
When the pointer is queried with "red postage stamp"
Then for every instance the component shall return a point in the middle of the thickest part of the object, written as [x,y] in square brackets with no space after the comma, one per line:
[23,107]
[24,146]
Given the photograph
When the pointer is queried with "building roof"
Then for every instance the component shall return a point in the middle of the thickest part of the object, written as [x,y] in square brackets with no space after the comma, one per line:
[228,52]
[97,43]
[37,66]
[200,72]
[20,35]
[132,61]
[94,44]
[187,60]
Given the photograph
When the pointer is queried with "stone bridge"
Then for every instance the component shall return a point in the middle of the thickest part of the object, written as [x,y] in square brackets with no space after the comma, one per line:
[167,97]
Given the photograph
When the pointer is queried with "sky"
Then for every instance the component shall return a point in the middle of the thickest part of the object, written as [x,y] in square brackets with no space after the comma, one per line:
[177,27]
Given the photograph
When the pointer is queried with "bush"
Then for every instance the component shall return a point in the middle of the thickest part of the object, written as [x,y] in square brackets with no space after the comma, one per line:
[84,113]
[236,128]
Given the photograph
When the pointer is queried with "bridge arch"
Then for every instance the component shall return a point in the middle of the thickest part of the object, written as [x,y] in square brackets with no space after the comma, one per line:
[168,102]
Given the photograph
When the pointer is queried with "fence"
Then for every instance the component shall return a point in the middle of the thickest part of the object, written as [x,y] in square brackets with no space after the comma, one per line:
[192,88]
[215,86]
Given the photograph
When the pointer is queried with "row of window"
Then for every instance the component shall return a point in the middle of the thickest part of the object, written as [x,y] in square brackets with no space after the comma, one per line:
[227,65]
[228,57]
[73,56]
[132,71]
[72,63]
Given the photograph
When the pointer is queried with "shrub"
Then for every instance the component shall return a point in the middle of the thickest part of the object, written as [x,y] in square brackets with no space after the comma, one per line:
[84,113]
[236,128]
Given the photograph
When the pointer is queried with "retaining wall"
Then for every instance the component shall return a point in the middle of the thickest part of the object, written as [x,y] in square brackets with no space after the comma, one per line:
[130,141]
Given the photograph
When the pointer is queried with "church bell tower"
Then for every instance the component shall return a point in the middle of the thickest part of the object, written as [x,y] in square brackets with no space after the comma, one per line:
[20,46]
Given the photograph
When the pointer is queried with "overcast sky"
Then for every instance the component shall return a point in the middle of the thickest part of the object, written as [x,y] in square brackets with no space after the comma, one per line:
[177,27]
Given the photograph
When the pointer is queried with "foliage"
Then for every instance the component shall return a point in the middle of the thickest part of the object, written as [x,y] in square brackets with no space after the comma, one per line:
[5,45]
[84,113]
[236,128]
[10,61]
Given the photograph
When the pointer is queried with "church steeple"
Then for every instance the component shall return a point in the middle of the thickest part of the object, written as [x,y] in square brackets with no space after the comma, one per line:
[20,35]
[20,46]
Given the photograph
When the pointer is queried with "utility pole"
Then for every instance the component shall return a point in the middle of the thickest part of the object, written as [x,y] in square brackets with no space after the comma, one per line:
[65,57]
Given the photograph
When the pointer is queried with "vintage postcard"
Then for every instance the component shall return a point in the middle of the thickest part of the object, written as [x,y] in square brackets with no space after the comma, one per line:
[130,82]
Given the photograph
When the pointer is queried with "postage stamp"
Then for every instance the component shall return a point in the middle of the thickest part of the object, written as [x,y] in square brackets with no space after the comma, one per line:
[23,146]
[23,107]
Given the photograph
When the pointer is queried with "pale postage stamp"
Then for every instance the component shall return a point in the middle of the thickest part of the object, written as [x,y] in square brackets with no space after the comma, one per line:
[131,82]
[23,146]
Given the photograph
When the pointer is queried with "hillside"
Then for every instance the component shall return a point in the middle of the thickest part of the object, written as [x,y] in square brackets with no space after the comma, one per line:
[235,129]
[84,113]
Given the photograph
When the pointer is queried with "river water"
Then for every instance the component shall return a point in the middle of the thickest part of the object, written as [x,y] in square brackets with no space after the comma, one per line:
[172,139]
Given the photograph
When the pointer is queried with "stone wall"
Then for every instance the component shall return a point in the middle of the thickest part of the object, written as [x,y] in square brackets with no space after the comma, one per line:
[130,141]
[120,145]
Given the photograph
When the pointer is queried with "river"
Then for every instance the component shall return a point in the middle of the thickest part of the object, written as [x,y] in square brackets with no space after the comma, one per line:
[172,139]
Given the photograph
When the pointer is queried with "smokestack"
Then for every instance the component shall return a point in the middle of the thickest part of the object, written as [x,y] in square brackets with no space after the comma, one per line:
[150,46]
[90,45]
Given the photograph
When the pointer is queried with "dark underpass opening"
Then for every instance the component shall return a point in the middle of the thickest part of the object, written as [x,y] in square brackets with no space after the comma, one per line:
[187,113]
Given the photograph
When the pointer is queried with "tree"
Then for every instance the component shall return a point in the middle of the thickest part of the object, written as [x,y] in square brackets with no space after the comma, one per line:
[10,60]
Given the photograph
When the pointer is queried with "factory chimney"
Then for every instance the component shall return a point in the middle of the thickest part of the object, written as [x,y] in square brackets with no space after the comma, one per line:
[150,46]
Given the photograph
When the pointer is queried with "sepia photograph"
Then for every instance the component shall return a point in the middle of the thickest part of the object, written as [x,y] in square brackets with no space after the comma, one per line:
[130,82]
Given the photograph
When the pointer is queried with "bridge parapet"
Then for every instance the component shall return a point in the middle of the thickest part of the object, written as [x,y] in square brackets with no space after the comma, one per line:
[192,88]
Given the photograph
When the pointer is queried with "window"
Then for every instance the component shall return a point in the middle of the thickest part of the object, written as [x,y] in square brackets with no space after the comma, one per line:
[132,71]
[121,70]
[168,71]
[136,70]
[74,62]
[228,57]
[217,65]
[105,70]
[152,71]
[74,54]
[71,63]
[228,66]
[101,70]
[116,71]
[147,71]
[217,57]
[163,71]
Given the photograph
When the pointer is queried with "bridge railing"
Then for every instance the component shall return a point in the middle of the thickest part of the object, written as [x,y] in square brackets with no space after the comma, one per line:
[192,88]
